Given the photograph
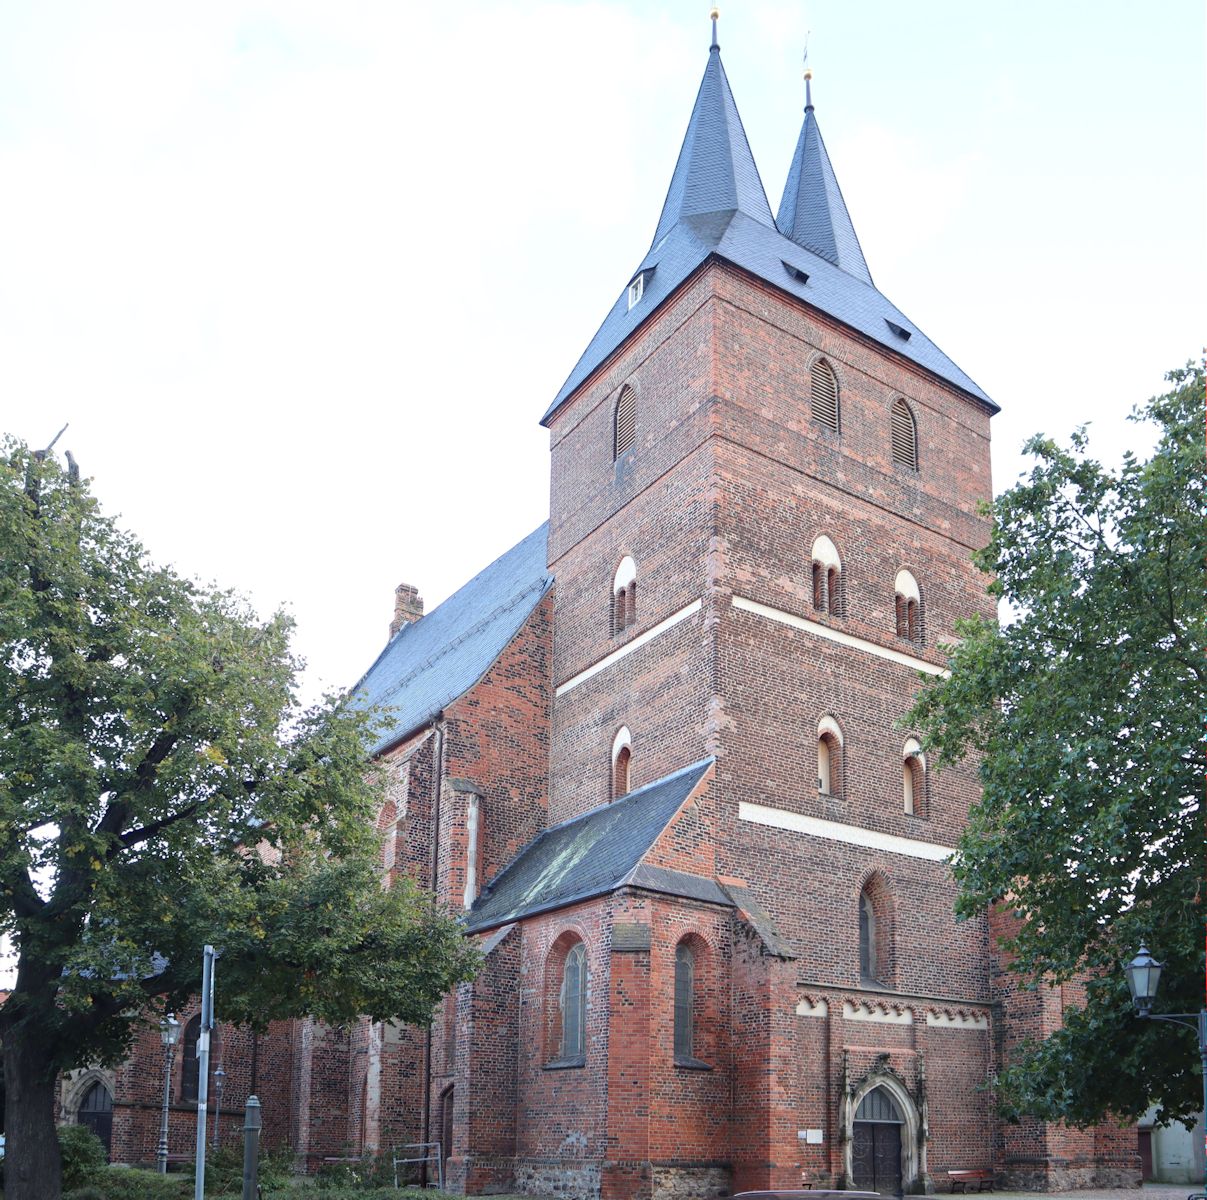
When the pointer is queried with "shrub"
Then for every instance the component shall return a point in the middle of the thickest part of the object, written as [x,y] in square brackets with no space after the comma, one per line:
[88,1192]
[224,1171]
[129,1183]
[83,1155]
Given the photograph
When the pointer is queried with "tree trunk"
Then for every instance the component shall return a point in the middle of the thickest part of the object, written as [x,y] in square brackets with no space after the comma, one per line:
[32,1166]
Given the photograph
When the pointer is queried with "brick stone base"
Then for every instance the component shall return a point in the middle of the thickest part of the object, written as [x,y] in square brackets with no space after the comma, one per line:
[699,1182]
[571,1178]
[1059,1175]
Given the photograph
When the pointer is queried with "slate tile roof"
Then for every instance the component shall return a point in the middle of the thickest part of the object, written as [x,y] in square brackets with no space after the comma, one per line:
[432,661]
[590,856]
[716,207]
[812,212]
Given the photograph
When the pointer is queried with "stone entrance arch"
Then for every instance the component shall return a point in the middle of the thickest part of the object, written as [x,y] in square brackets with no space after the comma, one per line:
[913,1125]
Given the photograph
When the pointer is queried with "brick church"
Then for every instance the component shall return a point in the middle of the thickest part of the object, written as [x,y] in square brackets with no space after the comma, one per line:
[655,754]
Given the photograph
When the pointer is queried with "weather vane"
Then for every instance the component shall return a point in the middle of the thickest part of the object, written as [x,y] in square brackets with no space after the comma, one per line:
[808,72]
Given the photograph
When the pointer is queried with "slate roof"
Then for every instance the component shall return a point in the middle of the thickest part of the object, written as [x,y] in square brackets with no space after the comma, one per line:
[590,856]
[432,661]
[812,212]
[716,207]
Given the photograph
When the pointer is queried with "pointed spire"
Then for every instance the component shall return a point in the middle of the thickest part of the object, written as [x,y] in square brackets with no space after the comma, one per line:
[715,172]
[813,213]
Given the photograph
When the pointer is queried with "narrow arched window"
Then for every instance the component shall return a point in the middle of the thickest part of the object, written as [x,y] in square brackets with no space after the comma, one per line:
[573,1002]
[824,394]
[829,757]
[685,1001]
[190,1070]
[622,760]
[827,577]
[868,966]
[624,596]
[907,603]
[624,424]
[913,778]
[905,436]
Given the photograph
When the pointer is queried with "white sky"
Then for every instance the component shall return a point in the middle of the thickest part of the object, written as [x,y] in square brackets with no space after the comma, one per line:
[304,276]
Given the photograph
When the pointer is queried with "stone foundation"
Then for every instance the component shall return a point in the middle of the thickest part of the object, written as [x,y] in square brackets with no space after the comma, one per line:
[1055,1175]
[574,1179]
[703,1181]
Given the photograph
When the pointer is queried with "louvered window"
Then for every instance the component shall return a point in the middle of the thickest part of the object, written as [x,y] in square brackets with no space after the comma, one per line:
[625,433]
[685,981]
[905,436]
[824,394]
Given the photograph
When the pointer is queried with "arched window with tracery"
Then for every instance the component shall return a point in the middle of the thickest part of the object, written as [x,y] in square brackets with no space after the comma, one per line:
[572,1002]
[828,590]
[622,762]
[685,1002]
[875,915]
[829,757]
[908,607]
[624,596]
[904,436]
[913,778]
[624,423]
[190,1070]
[823,394]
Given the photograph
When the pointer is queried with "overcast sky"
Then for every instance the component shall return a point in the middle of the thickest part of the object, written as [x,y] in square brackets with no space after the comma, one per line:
[303,277]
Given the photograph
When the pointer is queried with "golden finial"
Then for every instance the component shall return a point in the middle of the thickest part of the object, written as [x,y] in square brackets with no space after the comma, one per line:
[714,15]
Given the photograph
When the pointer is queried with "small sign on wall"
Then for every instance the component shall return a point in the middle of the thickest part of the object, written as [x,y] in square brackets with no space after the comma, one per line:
[811,1137]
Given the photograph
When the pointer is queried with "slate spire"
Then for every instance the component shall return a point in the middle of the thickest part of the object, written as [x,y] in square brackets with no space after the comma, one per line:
[813,213]
[715,172]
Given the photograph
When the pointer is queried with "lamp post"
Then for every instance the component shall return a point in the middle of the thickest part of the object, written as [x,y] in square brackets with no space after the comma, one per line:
[1143,976]
[169,1032]
[219,1088]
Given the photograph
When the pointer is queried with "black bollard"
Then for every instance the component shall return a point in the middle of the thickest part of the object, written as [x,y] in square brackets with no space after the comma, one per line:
[251,1149]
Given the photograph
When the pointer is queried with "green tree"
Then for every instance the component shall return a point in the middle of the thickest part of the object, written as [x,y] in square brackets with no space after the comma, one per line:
[161,788]
[1085,709]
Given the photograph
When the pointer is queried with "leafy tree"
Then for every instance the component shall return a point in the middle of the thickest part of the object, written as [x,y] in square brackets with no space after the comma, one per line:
[1085,708]
[160,788]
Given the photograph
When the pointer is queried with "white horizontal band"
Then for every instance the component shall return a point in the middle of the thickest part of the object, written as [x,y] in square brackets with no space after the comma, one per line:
[640,640]
[835,831]
[817,629]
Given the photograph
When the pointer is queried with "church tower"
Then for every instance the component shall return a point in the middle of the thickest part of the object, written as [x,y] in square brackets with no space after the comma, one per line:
[764,493]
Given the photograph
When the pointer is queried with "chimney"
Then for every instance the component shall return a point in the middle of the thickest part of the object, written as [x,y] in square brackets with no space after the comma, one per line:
[408,607]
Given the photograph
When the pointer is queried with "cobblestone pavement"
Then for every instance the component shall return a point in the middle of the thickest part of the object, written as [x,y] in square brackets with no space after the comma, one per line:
[1150,1191]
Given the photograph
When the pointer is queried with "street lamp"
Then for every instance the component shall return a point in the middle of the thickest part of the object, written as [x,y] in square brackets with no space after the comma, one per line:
[1143,976]
[169,1032]
[219,1088]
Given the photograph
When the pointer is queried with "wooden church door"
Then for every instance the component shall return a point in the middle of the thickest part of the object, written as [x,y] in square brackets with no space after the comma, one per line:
[876,1144]
[96,1112]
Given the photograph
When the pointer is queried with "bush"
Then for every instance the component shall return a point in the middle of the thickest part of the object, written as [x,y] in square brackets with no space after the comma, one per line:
[224,1171]
[128,1183]
[83,1155]
[370,1171]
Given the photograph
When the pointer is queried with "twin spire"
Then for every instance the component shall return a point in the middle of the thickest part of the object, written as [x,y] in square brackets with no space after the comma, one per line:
[716,175]
[716,207]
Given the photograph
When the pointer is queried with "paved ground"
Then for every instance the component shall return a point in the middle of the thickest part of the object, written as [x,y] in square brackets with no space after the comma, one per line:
[1150,1191]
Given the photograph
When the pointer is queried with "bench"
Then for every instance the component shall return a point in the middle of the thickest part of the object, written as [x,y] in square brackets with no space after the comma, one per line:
[971,1181]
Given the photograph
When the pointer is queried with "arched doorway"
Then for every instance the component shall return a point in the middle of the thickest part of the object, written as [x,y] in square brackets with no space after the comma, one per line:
[446,1126]
[876,1143]
[96,1111]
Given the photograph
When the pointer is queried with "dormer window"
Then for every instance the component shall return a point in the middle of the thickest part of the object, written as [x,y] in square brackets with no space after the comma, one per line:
[636,288]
